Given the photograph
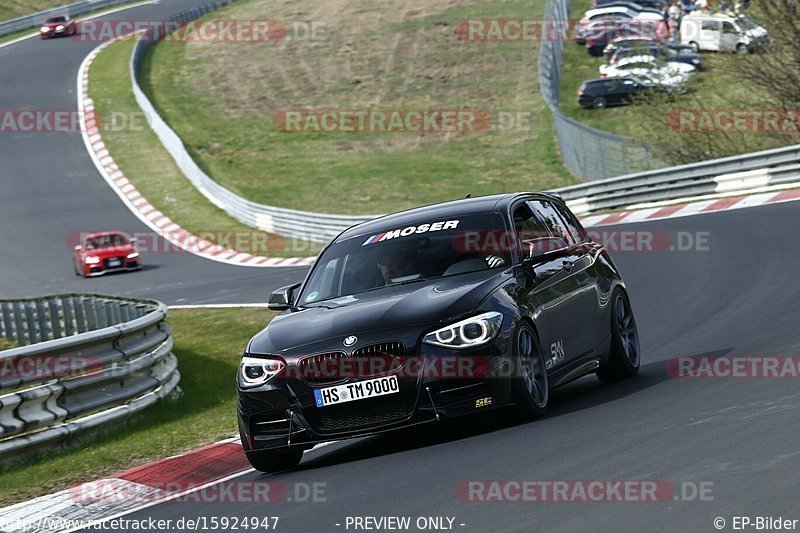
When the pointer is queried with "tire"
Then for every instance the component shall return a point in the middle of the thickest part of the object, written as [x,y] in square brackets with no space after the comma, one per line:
[695,47]
[741,49]
[530,385]
[625,356]
[599,103]
[274,460]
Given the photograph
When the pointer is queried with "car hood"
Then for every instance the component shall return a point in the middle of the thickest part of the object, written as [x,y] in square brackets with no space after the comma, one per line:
[111,251]
[422,304]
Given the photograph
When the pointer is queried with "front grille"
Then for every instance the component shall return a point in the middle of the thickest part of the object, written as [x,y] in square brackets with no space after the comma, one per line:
[121,260]
[368,361]
[358,414]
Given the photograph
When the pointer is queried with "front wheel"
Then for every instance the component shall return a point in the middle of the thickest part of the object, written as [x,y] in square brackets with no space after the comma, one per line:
[530,385]
[624,358]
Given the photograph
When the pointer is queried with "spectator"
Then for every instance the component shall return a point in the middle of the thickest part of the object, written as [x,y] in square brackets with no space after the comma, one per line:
[687,6]
[702,5]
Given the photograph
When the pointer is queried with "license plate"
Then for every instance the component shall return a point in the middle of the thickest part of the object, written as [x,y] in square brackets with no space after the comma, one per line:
[356,391]
[114,262]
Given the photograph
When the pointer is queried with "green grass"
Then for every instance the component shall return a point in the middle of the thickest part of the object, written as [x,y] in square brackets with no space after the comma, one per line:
[145,162]
[10,9]
[208,344]
[6,344]
[221,99]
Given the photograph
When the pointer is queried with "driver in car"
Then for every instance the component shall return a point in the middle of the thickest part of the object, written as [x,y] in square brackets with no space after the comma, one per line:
[399,265]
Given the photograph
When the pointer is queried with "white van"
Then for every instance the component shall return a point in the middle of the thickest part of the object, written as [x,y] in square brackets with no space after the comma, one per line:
[722,32]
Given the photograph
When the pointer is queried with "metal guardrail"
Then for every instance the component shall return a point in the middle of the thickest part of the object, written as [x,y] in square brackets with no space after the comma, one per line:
[589,153]
[287,222]
[35,19]
[737,174]
[82,361]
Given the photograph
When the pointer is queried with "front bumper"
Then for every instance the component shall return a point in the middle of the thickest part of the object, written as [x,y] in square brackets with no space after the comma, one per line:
[101,268]
[284,413]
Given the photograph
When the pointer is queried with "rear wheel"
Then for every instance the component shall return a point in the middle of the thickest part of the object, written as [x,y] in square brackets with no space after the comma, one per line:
[274,460]
[599,103]
[530,385]
[695,47]
[624,357]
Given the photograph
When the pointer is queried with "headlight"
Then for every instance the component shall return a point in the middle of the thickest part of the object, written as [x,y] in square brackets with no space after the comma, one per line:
[256,371]
[92,260]
[59,27]
[133,255]
[467,333]
[45,28]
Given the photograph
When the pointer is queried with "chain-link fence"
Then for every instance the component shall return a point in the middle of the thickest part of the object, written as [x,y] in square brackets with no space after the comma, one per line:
[589,153]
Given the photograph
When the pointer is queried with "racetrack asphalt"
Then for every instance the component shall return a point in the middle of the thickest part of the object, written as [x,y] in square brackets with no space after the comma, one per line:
[51,191]
[734,295]
[737,296]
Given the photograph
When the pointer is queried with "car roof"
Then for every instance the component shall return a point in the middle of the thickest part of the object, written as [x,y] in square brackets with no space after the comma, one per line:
[442,211]
[103,234]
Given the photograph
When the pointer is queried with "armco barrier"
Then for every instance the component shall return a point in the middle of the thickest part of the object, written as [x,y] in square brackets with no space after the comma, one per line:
[287,222]
[742,174]
[73,10]
[82,361]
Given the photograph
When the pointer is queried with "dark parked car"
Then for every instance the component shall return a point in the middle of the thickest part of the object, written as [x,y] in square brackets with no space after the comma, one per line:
[436,312]
[603,92]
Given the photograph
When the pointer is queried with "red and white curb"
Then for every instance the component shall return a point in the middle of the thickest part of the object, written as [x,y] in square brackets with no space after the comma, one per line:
[168,479]
[711,205]
[138,204]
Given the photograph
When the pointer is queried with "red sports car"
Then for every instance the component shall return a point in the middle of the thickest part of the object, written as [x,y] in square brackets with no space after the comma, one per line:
[58,25]
[109,251]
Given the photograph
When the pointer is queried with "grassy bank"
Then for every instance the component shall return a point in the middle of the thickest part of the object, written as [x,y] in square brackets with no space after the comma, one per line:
[208,344]
[145,162]
[222,99]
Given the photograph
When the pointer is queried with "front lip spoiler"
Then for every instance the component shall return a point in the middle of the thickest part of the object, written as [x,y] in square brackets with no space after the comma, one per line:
[113,270]
[333,438]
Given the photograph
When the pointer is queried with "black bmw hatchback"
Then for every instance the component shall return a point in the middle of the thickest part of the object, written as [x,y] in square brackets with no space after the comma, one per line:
[434,312]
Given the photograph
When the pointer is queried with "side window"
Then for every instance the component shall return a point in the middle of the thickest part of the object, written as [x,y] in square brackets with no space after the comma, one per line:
[727,27]
[573,225]
[710,25]
[554,222]
[527,224]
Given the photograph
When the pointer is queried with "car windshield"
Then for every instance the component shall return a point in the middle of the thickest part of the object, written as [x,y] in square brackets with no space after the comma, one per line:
[53,20]
[407,254]
[106,241]
[745,23]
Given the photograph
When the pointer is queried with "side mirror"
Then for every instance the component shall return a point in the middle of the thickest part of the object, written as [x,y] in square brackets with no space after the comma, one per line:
[77,248]
[282,299]
[544,249]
